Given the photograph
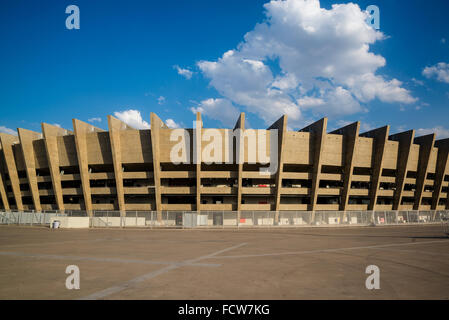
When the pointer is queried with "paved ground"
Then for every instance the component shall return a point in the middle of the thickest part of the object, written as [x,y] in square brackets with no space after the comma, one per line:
[306,263]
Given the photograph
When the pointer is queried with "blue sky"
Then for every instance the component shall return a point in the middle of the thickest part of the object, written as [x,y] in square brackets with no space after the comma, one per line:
[126,55]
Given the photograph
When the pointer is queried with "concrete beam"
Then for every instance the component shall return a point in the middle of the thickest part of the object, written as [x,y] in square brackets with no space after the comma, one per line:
[380,136]
[115,126]
[51,134]
[350,134]
[405,140]
[7,141]
[441,169]
[26,138]
[318,134]
[82,129]
[426,144]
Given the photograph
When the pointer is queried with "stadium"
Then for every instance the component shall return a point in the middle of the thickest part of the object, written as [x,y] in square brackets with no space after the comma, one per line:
[125,169]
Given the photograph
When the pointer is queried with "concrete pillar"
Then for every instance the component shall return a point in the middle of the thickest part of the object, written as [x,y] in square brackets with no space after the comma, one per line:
[156,125]
[2,183]
[198,150]
[426,144]
[281,126]
[7,141]
[51,134]
[380,136]
[26,138]
[318,132]
[240,125]
[115,127]
[441,169]
[405,140]
[82,129]
[350,134]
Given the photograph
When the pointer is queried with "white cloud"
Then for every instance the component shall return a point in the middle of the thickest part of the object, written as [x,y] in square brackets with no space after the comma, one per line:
[57,125]
[133,118]
[443,40]
[161,100]
[218,109]
[94,120]
[417,82]
[310,102]
[186,73]
[439,131]
[422,105]
[8,130]
[171,124]
[440,71]
[321,54]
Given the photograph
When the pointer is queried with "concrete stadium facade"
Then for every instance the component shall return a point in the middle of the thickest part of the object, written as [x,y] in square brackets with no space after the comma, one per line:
[125,169]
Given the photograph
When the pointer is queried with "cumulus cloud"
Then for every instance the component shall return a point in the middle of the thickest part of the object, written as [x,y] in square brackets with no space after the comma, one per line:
[338,101]
[439,131]
[171,124]
[301,59]
[133,118]
[94,120]
[218,109]
[186,73]
[8,130]
[440,71]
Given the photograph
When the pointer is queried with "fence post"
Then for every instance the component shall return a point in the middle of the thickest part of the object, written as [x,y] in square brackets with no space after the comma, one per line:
[152,217]
[238,219]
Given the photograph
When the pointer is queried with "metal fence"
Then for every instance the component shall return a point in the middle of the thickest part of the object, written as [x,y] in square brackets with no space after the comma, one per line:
[227,219]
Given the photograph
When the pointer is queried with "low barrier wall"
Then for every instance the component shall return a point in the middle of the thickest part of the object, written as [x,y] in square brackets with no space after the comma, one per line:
[71,222]
[221,219]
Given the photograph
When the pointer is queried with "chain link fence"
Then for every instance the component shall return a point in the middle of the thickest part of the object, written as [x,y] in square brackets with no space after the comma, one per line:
[226,219]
